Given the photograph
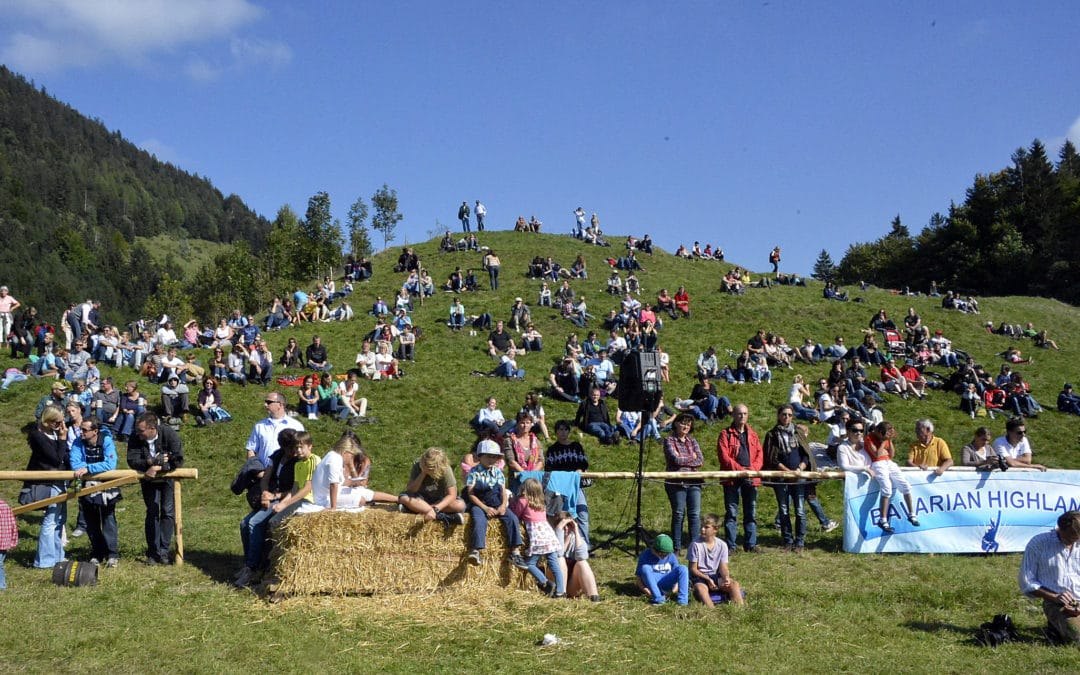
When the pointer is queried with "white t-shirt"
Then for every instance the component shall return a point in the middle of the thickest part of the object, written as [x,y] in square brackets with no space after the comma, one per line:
[330,471]
[1002,446]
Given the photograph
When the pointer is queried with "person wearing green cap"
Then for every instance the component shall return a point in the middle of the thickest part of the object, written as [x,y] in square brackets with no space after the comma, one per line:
[659,572]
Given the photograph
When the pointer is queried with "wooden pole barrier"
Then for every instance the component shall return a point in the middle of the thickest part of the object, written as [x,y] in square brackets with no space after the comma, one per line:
[694,475]
[104,475]
[65,496]
[178,508]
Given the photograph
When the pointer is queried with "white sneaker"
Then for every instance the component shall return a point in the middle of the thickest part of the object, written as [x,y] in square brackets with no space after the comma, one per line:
[312,416]
[830,526]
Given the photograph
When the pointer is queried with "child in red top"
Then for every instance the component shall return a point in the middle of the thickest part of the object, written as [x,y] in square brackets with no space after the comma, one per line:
[879,446]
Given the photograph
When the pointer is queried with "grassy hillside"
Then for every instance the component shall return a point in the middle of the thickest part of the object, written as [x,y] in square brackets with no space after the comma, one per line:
[188,254]
[825,610]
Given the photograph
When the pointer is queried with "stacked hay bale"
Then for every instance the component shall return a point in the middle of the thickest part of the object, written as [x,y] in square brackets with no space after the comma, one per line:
[380,551]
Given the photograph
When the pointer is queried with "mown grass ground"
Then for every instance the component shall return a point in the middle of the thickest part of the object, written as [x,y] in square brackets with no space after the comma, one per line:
[823,611]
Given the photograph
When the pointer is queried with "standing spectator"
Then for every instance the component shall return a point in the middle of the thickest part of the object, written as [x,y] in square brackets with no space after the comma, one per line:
[492,265]
[1050,571]
[49,452]
[463,215]
[9,537]
[95,453]
[774,259]
[263,440]
[480,210]
[8,304]
[786,449]
[155,448]
[739,449]
[683,454]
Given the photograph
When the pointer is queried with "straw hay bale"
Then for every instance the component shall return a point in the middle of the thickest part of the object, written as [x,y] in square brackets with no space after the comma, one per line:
[377,551]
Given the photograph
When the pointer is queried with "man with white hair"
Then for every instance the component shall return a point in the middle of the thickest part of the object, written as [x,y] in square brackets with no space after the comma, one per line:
[929,450]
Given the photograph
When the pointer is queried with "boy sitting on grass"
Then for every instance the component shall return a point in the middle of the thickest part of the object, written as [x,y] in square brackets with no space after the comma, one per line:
[708,558]
[659,572]
[487,497]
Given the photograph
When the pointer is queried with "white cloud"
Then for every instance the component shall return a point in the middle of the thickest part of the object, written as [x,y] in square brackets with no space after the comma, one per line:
[201,70]
[253,51]
[57,34]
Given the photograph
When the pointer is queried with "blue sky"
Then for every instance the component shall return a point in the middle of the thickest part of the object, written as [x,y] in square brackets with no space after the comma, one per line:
[746,125]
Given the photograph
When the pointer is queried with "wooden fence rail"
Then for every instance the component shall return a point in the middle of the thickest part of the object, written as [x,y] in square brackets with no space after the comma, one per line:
[109,480]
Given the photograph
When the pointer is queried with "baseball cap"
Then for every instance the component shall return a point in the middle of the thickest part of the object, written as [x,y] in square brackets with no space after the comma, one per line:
[664,544]
[488,447]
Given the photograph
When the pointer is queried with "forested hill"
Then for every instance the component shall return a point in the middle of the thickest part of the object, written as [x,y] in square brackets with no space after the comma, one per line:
[1017,232]
[74,196]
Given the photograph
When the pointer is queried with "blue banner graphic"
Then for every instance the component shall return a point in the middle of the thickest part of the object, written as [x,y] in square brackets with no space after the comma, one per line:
[959,511]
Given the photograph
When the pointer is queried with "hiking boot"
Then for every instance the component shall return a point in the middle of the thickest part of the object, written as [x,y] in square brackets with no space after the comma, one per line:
[474,557]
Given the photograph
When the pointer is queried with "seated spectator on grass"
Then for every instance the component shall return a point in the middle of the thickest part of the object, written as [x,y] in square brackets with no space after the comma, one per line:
[499,340]
[174,399]
[614,283]
[457,315]
[508,366]
[531,339]
[544,299]
[594,419]
[1042,341]
[315,355]
[1067,401]
[707,365]
[563,379]
[490,418]
[520,316]
[915,379]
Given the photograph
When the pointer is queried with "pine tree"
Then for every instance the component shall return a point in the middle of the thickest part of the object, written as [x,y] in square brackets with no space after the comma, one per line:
[824,269]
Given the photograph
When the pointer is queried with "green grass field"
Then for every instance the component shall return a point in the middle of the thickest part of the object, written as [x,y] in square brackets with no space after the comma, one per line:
[823,611]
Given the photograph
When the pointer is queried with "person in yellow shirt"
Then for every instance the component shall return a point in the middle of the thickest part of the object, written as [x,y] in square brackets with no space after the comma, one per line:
[929,450]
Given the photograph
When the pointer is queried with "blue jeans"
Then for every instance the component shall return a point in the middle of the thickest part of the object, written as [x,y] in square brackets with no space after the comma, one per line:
[50,545]
[605,432]
[3,577]
[803,412]
[743,490]
[308,408]
[101,529]
[493,277]
[685,501]
[329,405]
[479,520]
[785,493]
[661,584]
[553,565]
[14,377]
[253,536]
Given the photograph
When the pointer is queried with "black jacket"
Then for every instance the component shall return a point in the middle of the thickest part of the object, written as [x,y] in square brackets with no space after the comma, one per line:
[168,441]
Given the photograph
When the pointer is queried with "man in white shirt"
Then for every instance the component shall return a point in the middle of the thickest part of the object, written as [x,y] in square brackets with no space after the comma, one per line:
[263,440]
[1050,571]
[1014,446]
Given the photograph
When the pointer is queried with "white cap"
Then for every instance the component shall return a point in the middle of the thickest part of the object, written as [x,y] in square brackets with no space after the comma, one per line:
[488,447]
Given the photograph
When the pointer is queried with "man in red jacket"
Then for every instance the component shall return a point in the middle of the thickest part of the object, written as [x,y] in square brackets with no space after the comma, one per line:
[739,449]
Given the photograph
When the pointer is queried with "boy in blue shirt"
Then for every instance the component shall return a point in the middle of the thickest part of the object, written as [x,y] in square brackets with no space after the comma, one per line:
[659,572]
[487,497]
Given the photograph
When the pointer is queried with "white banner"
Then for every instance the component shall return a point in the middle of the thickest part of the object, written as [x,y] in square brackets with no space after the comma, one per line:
[959,511]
